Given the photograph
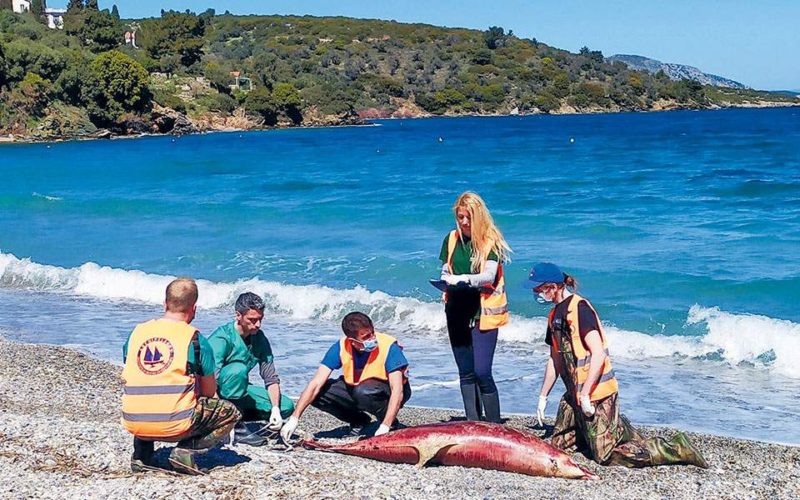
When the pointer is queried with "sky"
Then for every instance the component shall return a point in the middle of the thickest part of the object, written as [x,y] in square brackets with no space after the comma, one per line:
[755,43]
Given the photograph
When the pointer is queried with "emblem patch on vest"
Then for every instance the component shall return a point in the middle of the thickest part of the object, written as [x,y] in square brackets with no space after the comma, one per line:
[155,356]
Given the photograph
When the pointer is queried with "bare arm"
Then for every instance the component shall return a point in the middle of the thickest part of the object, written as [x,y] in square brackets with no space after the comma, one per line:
[312,390]
[595,345]
[271,381]
[396,397]
[207,386]
[550,377]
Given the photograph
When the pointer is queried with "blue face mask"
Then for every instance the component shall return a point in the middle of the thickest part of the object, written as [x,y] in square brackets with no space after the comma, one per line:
[369,345]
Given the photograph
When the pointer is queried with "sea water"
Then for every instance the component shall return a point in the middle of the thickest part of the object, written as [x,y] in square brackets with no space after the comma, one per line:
[682,228]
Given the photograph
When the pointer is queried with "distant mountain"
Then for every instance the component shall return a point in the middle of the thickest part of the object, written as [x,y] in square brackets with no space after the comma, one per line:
[675,71]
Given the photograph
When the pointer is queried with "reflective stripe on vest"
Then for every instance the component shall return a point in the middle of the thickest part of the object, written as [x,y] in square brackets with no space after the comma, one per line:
[376,363]
[158,417]
[606,384]
[494,302]
[159,395]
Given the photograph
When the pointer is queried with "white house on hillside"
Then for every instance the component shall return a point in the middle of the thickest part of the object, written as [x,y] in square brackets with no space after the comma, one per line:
[55,17]
[20,6]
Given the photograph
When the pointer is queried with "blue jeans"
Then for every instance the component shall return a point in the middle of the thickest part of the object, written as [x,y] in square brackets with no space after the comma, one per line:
[474,361]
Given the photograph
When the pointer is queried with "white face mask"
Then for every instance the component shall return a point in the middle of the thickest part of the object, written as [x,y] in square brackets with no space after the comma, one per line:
[545,298]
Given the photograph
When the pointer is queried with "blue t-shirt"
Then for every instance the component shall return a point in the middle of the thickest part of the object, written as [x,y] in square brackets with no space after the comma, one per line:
[395,359]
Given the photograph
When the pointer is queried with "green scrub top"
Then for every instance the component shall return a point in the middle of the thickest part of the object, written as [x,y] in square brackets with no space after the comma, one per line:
[229,346]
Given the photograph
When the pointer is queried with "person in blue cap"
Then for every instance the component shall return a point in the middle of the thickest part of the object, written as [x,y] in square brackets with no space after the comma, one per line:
[588,413]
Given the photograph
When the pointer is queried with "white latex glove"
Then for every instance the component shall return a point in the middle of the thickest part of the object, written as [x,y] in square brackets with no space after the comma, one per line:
[586,406]
[454,279]
[275,420]
[540,409]
[383,429]
[288,428]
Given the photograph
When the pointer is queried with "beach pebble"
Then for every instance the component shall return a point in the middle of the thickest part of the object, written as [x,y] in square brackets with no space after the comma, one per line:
[72,446]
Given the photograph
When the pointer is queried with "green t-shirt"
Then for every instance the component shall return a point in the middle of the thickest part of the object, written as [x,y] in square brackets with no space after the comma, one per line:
[461,255]
[206,356]
[229,346]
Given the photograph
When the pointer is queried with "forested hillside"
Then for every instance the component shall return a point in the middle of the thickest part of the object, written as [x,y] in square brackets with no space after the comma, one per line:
[185,72]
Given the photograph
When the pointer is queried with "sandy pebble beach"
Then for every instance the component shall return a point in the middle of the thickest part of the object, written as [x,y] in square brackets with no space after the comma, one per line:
[60,437]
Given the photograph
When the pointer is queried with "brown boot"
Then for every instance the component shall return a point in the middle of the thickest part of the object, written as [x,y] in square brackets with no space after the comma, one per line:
[686,452]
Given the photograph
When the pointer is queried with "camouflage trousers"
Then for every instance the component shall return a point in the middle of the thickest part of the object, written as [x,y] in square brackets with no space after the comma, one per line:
[608,436]
[213,419]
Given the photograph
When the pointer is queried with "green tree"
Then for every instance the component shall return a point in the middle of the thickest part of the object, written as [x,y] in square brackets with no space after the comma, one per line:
[3,67]
[175,33]
[23,57]
[287,98]
[92,5]
[115,12]
[286,95]
[37,9]
[74,6]
[218,75]
[260,102]
[547,102]
[495,37]
[69,85]
[32,95]
[97,30]
[116,84]
[482,57]
[6,4]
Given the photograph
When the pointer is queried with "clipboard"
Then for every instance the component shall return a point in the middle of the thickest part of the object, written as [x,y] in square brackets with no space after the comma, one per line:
[439,285]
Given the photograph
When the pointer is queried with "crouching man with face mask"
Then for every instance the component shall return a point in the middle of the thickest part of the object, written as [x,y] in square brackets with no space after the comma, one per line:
[373,380]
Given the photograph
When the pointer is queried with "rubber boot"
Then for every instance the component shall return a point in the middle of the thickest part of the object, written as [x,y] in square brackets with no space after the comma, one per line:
[243,435]
[491,405]
[142,458]
[182,460]
[686,452]
[472,402]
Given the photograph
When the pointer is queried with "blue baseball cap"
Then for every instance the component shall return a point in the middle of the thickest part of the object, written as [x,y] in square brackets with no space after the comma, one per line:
[544,272]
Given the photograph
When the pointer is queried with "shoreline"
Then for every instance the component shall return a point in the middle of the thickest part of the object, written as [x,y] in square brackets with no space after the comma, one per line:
[522,416]
[60,437]
[10,139]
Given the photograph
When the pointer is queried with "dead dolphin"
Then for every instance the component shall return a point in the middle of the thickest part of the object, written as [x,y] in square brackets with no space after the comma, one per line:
[468,444]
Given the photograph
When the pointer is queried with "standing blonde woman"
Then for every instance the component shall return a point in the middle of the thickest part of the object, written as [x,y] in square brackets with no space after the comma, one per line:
[475,301]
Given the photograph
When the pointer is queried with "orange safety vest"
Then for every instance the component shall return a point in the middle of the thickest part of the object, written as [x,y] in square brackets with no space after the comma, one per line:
[494,302]
[606,384]
[376,363]
[159,397]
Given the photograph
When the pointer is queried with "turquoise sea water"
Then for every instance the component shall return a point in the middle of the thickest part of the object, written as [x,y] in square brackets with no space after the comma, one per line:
[683,228]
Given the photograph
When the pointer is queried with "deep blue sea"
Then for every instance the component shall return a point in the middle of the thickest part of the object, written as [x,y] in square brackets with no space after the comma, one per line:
[683,228]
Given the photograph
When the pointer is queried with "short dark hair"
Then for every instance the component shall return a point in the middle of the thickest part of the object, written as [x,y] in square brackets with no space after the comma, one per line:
[354,322]
[247,301]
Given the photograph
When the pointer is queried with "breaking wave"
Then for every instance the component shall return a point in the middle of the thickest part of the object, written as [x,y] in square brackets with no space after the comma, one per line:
[729,337]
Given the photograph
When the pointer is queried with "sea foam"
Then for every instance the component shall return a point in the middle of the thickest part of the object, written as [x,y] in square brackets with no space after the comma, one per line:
[731,338]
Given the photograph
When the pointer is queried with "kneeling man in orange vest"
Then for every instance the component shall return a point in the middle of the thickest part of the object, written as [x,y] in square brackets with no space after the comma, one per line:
[169,386]
[373,380]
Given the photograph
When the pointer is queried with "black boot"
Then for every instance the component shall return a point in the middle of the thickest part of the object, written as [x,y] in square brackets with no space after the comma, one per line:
[491,404]
[243,435]
[142,458]
[472,402]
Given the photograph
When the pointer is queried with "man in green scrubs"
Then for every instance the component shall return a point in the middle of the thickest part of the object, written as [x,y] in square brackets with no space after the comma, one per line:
[238,347]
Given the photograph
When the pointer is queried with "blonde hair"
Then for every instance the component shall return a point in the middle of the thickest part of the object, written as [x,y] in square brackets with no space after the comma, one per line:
[181,295]
[485,236]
